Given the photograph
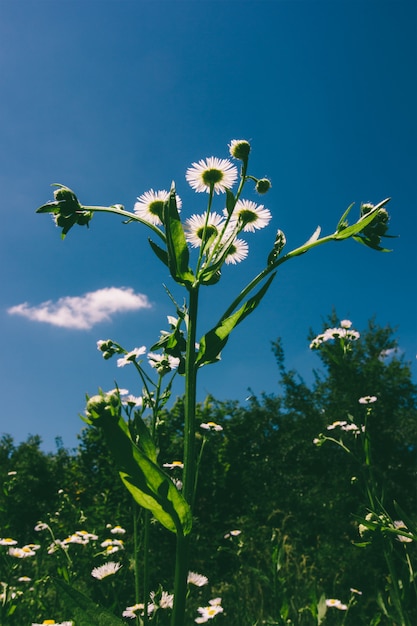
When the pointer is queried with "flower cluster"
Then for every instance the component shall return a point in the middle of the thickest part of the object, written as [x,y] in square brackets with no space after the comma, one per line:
[347,427]
[208,612]
[216,234]
[343,332]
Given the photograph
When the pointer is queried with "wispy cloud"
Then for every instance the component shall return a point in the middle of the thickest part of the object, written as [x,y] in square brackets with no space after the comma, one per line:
[83,312]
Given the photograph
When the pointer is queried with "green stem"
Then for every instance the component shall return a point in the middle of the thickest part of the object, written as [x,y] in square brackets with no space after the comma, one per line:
[131,216]
[270,268]
[182,547]
[147,524]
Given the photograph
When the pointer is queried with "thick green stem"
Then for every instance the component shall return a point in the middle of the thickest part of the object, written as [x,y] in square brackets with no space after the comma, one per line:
[182,548]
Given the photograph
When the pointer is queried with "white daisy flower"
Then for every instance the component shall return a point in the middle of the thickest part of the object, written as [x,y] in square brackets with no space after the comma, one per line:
[251,215]
[8,541]
[194,228]
[117,530]
[239,149]
[220,174]
[166,601]
[131,611]
[336,604]
[211,426]
[21,553]
[108,569]
[163,363]
[131,356]
[208,612]
[197,579]
[346,324]
[367,399]
[238,251]
[51,621]
[174,465]
[150,205]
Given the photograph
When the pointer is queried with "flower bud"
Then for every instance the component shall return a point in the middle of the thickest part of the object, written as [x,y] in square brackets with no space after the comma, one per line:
[263,185]
[102,405]
[239,149]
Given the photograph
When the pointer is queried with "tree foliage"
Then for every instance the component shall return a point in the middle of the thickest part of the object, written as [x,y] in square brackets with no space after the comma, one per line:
[297,506]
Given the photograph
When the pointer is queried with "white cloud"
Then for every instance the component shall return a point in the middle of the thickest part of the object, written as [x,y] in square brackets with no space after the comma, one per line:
[83,312]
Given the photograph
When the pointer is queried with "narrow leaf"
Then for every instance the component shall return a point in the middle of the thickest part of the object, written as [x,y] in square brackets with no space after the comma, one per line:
[142,477]
[358,227]
[178,253]
[212,343]
[160,253]
[230,201]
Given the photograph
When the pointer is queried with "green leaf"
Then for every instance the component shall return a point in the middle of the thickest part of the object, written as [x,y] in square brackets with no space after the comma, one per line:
[345,233]
[145,441]
[230,201]
[160,253]
[85,612]
[148,484]
[343,220]
[178,253]
[213,342]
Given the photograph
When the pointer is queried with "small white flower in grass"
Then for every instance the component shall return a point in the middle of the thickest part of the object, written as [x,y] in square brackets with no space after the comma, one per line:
[12,473]
[336,604]
[133,611]
[336,424]
[31,546]
[117,530]
[21,553]
[220,174]
[75,538]
[53,623]
[399,524]
[108,569]
[356,591]
[251,215]
[150,206]
[131,356]
[367,399]
[232,533]
[208,612]
[86,535]
[174,465]
[166,600]
[211,426]
[194,228]
[197,579]
[8,541]
[41,526]
[56,545]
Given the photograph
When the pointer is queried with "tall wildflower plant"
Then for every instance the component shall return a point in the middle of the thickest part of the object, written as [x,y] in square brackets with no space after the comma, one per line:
[195,249]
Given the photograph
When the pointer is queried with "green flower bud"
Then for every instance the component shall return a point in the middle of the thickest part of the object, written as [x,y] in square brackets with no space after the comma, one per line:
[102,405]
[67,201]
[280,241]
[263,185]
[239,149]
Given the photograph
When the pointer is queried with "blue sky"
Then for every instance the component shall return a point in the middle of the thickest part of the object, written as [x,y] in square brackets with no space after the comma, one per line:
[113,98]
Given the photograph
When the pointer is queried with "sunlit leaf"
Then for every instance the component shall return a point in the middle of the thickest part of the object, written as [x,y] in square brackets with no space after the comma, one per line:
[213,342]
[178,253]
